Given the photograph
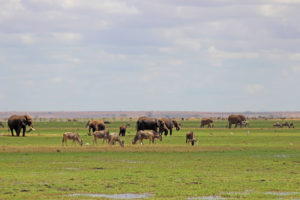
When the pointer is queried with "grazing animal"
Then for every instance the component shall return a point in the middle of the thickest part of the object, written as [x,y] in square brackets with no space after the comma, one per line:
[245,124]
[190,138]
[170,124]
[95,125]
[100,134]
[292,125]
[113,138]
[123,129]
[208,122]
[236,119]
[72,136]
[1,124]
[146,123]
[285,124]
[277,124]
[16,122]
[151,135]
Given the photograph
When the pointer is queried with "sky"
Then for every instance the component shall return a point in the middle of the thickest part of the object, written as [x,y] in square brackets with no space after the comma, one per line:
[163,55]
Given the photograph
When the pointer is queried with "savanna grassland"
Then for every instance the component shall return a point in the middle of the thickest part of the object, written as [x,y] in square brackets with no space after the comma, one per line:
[260,162]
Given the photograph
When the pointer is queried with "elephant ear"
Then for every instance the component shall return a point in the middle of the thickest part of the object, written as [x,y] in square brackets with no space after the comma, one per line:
[28,119]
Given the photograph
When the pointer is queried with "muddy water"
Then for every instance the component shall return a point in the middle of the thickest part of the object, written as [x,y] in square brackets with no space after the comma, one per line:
[118,196]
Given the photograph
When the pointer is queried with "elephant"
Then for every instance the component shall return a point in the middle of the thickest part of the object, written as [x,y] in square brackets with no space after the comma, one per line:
[236,119]
[146,123]
[1,125]
[18,122]
[169,124]
[95,125]
[208,122]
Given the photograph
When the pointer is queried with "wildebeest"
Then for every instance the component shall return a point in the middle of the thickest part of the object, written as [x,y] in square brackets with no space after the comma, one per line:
[170,124]
[277,124]
[285,124]
[208,122]
[292,125]
[151,135]
[123,129]
[245,124]
[72,136]
[101,134]
[190,138]
[113,138]
[1,124]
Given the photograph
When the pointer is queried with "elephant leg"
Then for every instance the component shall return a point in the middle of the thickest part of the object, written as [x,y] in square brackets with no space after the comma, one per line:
[24,130]
[170,131]
[18,130]
[12,131]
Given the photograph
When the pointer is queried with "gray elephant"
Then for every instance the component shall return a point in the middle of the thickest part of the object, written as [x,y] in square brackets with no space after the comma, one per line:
[146,123]
[236,119]
[208,122]
[17,123]
[170,124]
[95,125]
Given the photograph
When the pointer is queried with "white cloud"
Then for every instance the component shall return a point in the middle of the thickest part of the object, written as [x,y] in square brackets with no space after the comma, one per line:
[295,69]
[270,10]
[106,6]
[216,57]
[254,88]
[67,37]
[27,39]
[56,80]
[10,8]
[28,83]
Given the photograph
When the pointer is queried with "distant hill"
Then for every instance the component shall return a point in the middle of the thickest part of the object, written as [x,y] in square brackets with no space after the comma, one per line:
[157,114]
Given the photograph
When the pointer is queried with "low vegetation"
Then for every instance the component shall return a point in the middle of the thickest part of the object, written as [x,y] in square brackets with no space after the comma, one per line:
[260,162]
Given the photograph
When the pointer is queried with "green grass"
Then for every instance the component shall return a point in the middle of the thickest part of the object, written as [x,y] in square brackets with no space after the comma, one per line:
[231,164]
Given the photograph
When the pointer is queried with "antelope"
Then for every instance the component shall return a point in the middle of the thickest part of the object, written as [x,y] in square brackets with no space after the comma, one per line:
[72,136]
[100,134]
[151,135]
[123,129]
[113,138]
[190,138]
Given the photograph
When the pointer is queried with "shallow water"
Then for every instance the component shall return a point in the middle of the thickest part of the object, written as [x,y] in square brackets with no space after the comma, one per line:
[207,198]
[118,196]
[282,193]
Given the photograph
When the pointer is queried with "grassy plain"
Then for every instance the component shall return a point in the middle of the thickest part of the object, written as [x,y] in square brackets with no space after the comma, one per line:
[259,162]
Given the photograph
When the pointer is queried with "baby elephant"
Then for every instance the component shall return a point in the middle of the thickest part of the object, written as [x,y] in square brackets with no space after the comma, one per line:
[100,134]
[72,136]
[190,138]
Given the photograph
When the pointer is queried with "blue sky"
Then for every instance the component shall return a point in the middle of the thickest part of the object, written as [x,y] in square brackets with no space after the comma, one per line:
[208,55]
